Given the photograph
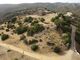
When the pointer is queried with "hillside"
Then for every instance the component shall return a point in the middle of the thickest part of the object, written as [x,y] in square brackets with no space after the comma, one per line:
[56,7]
[40,30]
[36,32]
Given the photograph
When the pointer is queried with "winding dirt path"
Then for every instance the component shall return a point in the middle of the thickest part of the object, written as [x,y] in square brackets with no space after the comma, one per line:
[34,55]
[67,56]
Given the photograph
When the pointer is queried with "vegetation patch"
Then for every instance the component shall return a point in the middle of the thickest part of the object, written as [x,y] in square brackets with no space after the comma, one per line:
[67,38]
[20,30]
[62,22]
[35,29]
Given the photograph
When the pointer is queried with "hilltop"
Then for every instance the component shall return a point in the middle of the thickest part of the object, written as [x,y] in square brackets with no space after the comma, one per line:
[40,30]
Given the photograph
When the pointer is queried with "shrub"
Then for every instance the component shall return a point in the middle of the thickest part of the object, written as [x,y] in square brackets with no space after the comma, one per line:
[57,49]
[19,23]
[33,41]
[40,40]
[10,26]
[42,19]
[8,50]
[34,22]
[30,31]
[66,28]
[67,38]
[7,30]
[21,30]
[38,28]
[14,20]
[4,36]
[22,37]
[50,43]
[28,19]
[53,19]
[34,47]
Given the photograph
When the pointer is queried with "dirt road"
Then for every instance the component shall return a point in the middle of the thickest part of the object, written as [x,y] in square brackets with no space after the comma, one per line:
[34,55]
[67,56]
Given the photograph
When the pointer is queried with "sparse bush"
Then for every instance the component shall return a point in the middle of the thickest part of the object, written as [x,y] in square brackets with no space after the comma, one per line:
[42,19]
[4,36]
[8,50]
[19,23]
[30,31]
[33,41]
[57,49]
[10,26]
[7,30]
[22,37]
[40,40]
[28,19]
[67,38]
[34,47]
[50,43]
[34,22]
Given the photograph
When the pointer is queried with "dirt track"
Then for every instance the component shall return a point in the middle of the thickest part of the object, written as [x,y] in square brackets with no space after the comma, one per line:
[70,55]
